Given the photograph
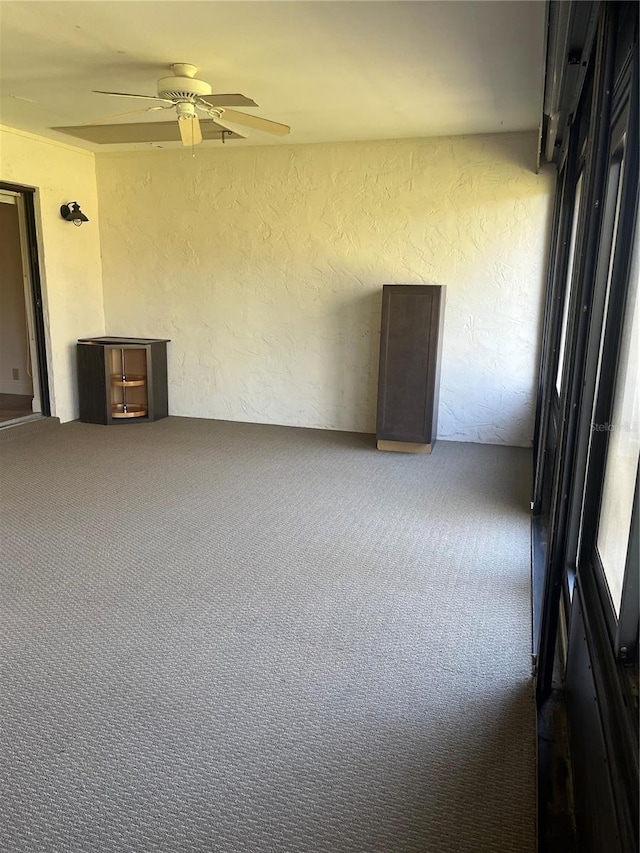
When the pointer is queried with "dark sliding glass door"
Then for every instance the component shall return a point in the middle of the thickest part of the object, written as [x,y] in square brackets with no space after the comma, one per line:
[585,500]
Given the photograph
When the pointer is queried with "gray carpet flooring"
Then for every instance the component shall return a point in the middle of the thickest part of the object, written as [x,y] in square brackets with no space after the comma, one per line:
[230,637]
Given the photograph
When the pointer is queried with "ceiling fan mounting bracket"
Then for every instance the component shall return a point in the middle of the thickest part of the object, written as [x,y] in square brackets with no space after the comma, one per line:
[184,69]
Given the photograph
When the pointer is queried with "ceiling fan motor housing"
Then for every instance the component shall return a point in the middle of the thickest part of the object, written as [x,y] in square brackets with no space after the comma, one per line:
[182,85]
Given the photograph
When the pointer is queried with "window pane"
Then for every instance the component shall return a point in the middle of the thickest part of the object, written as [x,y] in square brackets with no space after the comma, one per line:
[624,446]
[567,290]
[610,232]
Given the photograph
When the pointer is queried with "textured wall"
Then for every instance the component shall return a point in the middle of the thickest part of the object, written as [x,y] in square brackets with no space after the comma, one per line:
[264,266]
[69,257]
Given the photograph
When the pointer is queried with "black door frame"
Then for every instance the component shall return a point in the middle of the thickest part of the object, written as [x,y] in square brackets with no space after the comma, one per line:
[27,194]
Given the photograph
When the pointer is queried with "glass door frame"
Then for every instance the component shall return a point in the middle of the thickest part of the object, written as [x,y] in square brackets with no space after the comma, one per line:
[556,470]
[562,284]
[597,676]
[592,142]
[622,628]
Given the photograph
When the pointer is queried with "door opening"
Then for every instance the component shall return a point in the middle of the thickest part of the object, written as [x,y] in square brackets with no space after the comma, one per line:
[23,384]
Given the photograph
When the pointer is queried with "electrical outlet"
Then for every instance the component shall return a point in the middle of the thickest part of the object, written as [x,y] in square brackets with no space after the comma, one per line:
[16,373]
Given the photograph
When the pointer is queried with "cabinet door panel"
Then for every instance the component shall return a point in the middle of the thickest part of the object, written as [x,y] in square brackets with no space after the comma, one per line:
[408,363]
[92,385]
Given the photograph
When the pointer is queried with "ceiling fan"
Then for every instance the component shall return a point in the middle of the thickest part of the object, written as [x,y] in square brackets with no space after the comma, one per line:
[191,99]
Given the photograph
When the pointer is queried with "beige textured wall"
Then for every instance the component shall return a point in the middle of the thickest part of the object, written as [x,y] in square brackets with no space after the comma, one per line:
[264,265]
[70,263]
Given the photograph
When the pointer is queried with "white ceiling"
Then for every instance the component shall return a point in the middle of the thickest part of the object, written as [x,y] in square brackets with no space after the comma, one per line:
[332,70]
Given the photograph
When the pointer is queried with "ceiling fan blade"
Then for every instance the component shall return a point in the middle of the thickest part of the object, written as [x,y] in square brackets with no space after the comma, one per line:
[111,134]
[190,132]
[197,132]
[227,100]
[129,95]
[227,129]
[150,131]
[257,123]
[129,113]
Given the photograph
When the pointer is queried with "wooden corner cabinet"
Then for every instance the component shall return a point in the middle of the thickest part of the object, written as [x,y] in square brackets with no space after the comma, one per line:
[409,375]
[122,380]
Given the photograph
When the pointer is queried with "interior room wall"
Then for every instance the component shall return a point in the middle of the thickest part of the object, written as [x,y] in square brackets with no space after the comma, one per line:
[265,265]
[70,265]
[14,339]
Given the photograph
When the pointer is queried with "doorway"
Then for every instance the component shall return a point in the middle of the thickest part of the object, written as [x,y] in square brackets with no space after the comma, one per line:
[23,383]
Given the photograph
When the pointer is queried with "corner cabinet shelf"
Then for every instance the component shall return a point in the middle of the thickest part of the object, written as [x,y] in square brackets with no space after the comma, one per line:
[122,380]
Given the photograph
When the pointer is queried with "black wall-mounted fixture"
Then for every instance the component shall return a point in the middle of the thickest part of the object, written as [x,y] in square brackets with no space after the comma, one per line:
[71,213]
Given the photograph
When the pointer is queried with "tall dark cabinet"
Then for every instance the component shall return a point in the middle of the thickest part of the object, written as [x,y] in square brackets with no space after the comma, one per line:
[122,380]
[409,375]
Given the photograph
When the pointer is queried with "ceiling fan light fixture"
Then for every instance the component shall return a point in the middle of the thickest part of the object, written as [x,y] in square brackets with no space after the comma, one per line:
[185,111]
